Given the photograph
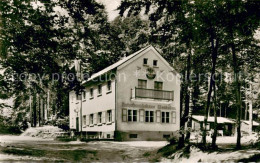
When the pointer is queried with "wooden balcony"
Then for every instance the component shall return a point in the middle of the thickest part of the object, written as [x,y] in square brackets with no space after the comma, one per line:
[142,93]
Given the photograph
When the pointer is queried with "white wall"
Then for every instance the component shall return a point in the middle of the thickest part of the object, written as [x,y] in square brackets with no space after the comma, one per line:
[99,104]
[127,72]
[92,106]
[73,108]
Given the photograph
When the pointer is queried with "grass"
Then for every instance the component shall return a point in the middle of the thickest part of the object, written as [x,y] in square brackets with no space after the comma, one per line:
[168,150]
[66,139]
[25,152]
[76,155]
[146,154]
[254,158]
[61,155]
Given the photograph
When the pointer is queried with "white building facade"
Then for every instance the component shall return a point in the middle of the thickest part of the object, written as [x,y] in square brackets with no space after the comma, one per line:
[137,98]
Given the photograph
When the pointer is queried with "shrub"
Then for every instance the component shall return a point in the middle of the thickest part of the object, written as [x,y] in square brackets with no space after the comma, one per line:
[172,140]
[63,123]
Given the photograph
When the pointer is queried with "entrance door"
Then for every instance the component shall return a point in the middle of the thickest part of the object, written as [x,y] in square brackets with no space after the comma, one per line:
[77,124]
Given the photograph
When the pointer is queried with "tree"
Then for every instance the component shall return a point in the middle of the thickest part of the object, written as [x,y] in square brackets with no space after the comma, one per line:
[241,22]
[40,43]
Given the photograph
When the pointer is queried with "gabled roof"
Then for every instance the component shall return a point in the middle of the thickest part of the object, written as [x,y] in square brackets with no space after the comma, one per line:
[211,119]
[254,123]
[115,65]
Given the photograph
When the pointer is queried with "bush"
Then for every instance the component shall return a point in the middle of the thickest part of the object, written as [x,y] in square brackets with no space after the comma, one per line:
[172,140]
[63,123]
[10,130]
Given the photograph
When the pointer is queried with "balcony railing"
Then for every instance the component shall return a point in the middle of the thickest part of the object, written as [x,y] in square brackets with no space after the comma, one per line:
[152,94]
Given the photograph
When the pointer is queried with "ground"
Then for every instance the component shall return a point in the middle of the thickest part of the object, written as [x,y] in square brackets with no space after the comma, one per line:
[25,148]
[17,148]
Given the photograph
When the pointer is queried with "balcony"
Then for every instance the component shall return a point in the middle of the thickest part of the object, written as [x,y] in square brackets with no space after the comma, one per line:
[143,93]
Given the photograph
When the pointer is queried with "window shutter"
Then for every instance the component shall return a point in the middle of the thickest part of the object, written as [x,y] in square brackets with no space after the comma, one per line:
[124,114]
[113,115]
[141,116]
[173,117]
[158,116]
[95,118]
[104,117]
[87,120]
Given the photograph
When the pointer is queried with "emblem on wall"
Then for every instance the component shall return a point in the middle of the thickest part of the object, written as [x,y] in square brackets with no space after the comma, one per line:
[150,73]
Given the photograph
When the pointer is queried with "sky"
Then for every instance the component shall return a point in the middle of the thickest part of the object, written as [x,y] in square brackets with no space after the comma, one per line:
[111,6]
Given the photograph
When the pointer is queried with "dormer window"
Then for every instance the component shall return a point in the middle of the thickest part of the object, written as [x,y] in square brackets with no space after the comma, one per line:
[155,63]
[145,62]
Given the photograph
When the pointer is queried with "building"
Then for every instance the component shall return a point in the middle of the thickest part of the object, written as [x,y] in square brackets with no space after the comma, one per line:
[137,98]
[245,126]
[226,127]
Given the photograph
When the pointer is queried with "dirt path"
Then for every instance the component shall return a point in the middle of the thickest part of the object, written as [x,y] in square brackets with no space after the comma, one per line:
[15,148]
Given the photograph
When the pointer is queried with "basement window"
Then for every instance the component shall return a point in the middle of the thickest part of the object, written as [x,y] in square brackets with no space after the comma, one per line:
[132,135]
[166,136]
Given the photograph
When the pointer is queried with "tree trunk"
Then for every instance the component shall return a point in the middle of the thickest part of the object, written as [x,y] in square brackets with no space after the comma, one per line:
[182,119]
[187,96]
[214,136]
[34,110]
[42,113]
[39,109]
[238,95]
[186,106]
[246,110]
[212,82]
[31,111]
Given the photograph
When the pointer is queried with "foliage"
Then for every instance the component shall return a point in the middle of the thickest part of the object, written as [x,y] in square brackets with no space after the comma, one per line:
[63,123]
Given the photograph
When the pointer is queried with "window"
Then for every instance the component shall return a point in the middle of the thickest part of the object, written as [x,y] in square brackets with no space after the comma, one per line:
[91,119]
[109,86]
[145,61]
[132,135]
[84,120]
[166,136]
[109,116]
[149,116]
[91,92]
[165,117]
[132,115]
[108,136]
[84,95]
[158,85]
[100,117]
[155,63]
[100,89]
[142,83]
